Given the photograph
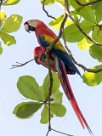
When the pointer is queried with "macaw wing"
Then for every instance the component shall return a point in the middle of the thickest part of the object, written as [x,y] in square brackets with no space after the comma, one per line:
[66,59]
[46,38]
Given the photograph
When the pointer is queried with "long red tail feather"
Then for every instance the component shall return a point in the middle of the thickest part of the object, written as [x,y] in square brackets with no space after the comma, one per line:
[69,93]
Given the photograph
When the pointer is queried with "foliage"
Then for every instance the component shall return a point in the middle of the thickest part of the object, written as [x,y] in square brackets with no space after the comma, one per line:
[90,21]
[93,79]
[10,2]
[30,89]
[9,25]
[2,17]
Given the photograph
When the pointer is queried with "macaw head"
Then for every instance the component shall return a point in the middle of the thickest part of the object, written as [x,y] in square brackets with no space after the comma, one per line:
[39,55]
[32,25]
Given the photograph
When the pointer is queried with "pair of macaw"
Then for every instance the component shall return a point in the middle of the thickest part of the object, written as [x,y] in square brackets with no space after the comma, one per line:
[59,61]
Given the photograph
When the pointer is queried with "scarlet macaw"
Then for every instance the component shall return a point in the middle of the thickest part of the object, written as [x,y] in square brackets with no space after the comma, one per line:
[63,65]
[62,69]
[45,37]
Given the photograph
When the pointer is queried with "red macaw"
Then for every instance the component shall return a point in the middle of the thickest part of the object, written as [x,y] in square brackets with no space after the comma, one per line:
[45,37]
[57,65]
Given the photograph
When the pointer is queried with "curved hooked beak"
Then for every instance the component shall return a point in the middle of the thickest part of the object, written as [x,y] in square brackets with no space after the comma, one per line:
[28,28]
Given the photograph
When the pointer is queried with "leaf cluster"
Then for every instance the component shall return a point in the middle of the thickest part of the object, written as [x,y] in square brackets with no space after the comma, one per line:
[30,89]
[9,25]
[89,19]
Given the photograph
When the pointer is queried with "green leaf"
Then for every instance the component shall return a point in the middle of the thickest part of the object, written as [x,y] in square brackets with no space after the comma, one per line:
[56,23]
[87,13]
[12,23]
[97,34]
[46,84]
[7,39]
[58,109]
[61,2]
[93,79]
[28,87]
[73,34]
[96,52]
[10,2]
[41,91]
[25,110]
[57,97]
[44,115]
[2,17]
[84,44]
[48,2]
[1,49]
[98,10]
[74,4]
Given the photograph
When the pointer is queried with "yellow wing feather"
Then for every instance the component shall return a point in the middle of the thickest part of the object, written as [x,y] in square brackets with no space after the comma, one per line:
[58,44]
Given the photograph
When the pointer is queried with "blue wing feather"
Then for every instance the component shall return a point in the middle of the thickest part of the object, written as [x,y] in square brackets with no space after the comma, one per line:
[66,59]
[60,54]
[43,42]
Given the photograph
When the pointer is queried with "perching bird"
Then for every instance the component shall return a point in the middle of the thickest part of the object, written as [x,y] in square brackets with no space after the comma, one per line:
[57,65]
[45,37]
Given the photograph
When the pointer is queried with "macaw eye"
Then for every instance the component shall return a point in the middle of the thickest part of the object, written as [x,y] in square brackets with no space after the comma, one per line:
[42,57]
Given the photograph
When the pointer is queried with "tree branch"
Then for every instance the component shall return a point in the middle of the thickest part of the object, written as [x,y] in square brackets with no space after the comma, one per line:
[43,7]
[47,132]
[79,27]
[21,64]
[61,132]
[60,33]
[78,64]
[50,92]
[88,3]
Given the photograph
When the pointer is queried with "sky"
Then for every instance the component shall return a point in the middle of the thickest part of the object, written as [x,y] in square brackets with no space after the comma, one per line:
[88,98]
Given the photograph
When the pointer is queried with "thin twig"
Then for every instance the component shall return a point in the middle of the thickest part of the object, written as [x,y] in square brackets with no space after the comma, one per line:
[47,132]
[61,132]
[80,65]
[43,7]
[21,64]
[50,91]
[88,3]
[79,27]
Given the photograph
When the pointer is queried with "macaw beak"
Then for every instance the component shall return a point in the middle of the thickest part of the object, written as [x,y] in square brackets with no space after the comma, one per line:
[28,28]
